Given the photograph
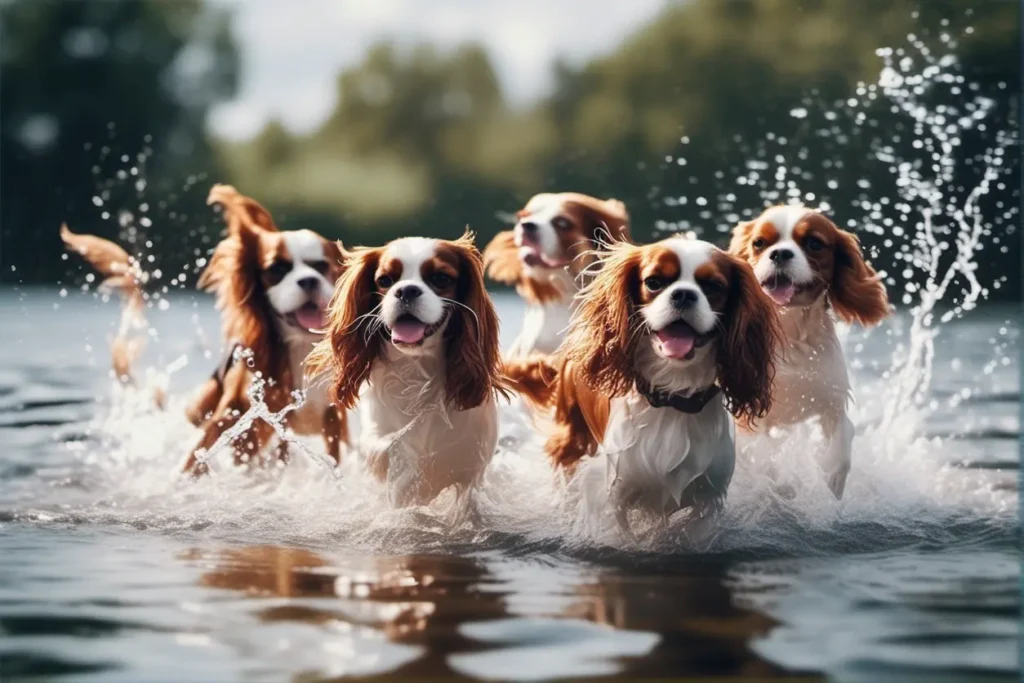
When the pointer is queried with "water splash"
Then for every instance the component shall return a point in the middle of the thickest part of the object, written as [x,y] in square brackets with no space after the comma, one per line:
[900,491]
[934,263]
[258,410]
[944,248]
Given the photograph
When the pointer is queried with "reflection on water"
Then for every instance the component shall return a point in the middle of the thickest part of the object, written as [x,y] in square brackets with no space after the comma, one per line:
[414,601]
[110,570]
[451,616]
[701,627]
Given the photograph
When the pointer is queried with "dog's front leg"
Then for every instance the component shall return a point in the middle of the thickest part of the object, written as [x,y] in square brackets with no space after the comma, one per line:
[838,456]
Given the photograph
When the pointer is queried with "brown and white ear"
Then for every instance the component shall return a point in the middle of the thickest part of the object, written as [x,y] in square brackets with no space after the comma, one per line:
[601,340]
[501,259]
[740,243]
[749,343]
[607,219]
[856,292]
[472,352]
[616,221]
[335,254]
[239,208]
[351,344]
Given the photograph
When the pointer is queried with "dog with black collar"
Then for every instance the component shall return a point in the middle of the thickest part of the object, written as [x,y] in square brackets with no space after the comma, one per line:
[671,341]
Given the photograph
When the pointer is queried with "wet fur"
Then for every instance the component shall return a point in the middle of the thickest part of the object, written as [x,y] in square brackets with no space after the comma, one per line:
[233,275]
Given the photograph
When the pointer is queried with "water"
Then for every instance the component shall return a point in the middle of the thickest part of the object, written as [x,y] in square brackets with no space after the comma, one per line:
[112,568]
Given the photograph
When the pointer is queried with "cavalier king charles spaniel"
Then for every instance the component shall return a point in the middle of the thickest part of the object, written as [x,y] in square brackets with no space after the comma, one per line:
[272,290]
[667,341]
[808,266]
[555,239]
[412,337]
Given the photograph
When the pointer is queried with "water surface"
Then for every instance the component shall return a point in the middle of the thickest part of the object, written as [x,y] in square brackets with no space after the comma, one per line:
[111,568]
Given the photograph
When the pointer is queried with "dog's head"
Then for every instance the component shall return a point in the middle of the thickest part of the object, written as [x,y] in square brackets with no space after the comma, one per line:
[414,296]
[555,233]
[266,279]
[679,314]
[799,256]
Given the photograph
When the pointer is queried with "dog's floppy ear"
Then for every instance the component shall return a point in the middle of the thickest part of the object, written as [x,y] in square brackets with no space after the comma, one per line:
[856,292]
[740,243]
[239,209]
[473,354]
[601,339]
[334,252]
[351,345]
[501,259]
[750,340]
[607,220]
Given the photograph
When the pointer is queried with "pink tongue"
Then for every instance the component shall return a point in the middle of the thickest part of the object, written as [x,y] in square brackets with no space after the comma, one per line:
[781,293]
[310,318]
[408,332]
[677,340]
[530,256]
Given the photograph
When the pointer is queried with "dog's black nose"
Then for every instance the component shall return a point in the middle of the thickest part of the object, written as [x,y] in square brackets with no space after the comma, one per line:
[529,227]
[309,284]
[781,255]
[408,293]
[683,298]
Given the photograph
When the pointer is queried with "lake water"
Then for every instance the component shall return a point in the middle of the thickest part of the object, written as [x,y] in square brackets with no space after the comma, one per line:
[113,568]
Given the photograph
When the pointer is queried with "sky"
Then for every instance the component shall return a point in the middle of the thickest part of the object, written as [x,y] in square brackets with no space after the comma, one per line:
[292,51]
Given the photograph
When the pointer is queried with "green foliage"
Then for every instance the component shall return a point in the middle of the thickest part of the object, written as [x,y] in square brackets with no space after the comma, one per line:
[91,90]
[422,140]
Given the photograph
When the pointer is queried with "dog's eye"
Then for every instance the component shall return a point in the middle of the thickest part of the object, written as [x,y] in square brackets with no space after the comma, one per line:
[654,284]
[385,281]
[814,244]
[440,280]
[759,244]
[320,266]
[561,223]
[279,268]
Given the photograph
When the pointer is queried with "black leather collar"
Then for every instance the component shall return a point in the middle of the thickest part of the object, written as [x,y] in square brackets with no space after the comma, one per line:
[691,404]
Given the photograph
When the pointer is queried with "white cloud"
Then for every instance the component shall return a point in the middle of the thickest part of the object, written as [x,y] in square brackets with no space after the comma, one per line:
[293,51]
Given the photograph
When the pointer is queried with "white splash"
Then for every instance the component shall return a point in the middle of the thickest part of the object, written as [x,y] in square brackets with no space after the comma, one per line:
[900,490]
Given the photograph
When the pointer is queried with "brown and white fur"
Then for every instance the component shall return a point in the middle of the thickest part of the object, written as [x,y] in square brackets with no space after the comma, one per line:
[554,241]
[680,316]
[272,290]
[122,273]
[412,328]
[812,269]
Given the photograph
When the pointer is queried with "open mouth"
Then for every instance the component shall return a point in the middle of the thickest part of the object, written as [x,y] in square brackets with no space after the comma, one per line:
[531,255]
[680,341]
[409,330]
[309,316]
[782,289]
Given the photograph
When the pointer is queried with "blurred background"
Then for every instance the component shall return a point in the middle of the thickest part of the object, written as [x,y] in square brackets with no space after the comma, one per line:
[369,120]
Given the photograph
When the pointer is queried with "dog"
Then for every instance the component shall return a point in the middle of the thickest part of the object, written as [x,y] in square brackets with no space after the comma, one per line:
[272,288]
[812,270]
[412,337]
[556,239]
[668,340]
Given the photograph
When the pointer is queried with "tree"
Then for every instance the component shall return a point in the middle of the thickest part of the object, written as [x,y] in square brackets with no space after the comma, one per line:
[102,113]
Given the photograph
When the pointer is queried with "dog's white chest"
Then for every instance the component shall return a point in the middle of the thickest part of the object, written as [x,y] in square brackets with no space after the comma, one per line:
[655,454]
